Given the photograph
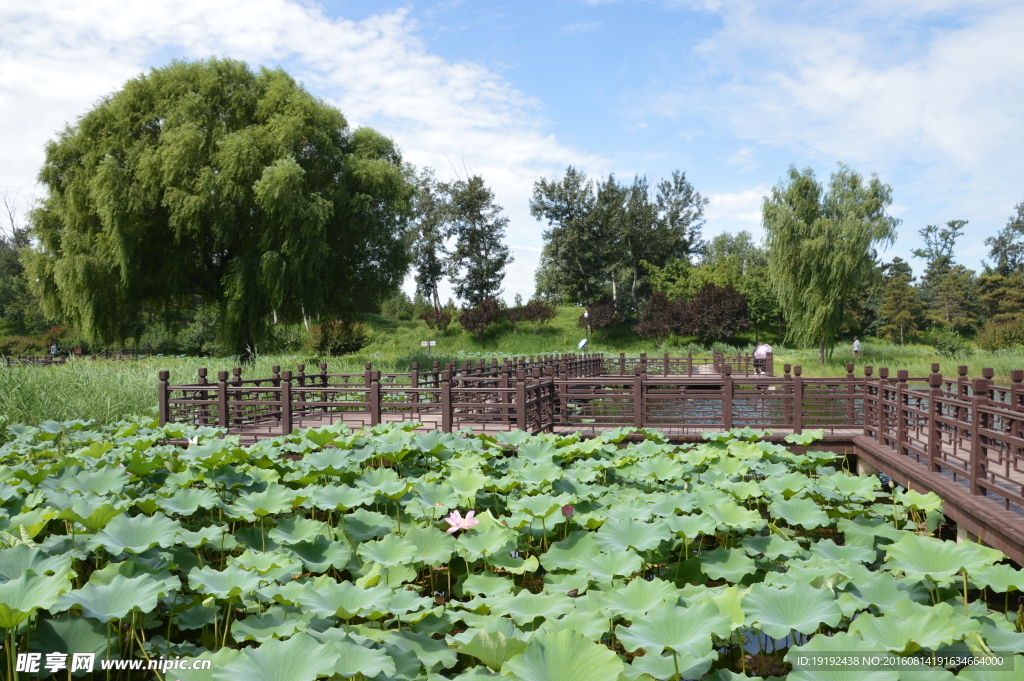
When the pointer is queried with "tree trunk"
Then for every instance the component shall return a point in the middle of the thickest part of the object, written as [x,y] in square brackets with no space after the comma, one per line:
[821,351]
[901,336]
[633,290]
[615,293]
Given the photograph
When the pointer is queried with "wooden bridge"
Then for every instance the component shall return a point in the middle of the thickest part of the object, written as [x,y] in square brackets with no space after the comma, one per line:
[962,438]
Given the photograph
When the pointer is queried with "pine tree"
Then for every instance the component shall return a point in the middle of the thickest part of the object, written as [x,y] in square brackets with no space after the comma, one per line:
[477,265]
[901,308]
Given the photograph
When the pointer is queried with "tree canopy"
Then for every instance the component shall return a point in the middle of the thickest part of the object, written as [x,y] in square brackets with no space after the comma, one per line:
[822,247]
[208,180]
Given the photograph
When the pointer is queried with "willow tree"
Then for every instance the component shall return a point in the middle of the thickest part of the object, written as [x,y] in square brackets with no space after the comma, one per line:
[207,181]
[822,247]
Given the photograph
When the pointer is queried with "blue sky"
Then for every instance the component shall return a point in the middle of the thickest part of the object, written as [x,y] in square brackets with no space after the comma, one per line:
[926,93]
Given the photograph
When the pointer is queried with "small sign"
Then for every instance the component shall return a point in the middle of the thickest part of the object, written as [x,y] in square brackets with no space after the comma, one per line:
[428,344]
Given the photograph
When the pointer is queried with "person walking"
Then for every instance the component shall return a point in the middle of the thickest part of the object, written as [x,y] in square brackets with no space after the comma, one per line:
[856,347]
[761,353]
[53,351]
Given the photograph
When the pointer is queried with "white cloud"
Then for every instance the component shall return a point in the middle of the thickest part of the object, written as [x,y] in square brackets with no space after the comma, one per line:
[735,211]
[59,57]
[582,27]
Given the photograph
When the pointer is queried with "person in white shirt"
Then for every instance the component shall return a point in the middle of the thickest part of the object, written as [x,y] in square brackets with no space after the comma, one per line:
[856,347]
[761,353]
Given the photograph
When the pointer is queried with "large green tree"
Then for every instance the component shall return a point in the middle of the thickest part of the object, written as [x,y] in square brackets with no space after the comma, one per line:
[18,305]
[947,288]
[432,230]
[207,179]
[477,264]
[1007,248]
[901,308]
[822,247]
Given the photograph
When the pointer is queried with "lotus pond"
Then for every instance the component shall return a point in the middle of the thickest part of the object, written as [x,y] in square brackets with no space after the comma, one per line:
[327,554]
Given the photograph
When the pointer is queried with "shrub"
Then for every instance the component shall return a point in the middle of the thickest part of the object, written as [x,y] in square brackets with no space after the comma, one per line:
[54,334]
[475,320]
[19,346]
[948,343]
[658,317]
[400,307]
[604,314]
[715,313]
[437,321]
[1001,335]
[540,312]
[337,338]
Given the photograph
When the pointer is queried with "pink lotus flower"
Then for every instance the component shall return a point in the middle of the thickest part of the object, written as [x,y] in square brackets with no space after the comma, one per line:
[457,522]
[568,510]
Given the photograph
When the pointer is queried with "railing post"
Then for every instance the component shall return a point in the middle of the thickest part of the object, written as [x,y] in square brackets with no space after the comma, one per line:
[367,370]
[798,399]
[374,398]
[850,393]
[638,396]
[163,397]
[870,412]
[622,364]
[934,414]
[286,403]
[446,401]
[771,364]
[883,423]
[238,410]
[666,365]
[901,424]
[689,362]
[727,394]
[1017,390]
[275,379]
[301,379]
[787,389]
[979,400]
[222,399]
[521,416]
[204,412]
[414,383]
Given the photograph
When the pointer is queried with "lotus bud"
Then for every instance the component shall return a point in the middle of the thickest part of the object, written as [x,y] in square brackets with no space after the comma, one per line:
[568,510]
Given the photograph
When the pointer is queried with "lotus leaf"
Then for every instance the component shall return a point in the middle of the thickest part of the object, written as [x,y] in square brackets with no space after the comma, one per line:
[433,547]
[270,564]
[188,500]
[232,581]
[829,549]
[730,515]
[525,607]
[17,560]
[606,566]
[346,600]
[321,554]
[340,498]
[929,629]
[423,648]
[92,513]
[196,617]
[300,658]
[639,597]
[841,643]
[70,632]
[263,627]
[802,512]
[362,524]
[564,656]
[493,648]
[864,532]
[851,486]
[621,535]
[772,546]
[273,500]
[356,659]
[730,564]
[686,631]
[565,554]
[514,565]
[101,481]
[801,607]
[116,599]
[477,544]
[920,557]
[22,596]
[1000,578]
[665,666]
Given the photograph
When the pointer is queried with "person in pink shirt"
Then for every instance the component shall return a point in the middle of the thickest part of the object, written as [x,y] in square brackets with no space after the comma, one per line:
[761,353]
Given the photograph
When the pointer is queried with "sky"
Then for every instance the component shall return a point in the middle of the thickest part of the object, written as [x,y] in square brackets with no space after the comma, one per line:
[926,93]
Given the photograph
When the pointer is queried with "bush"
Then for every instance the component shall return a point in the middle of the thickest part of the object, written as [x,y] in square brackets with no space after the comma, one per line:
[1001,335]
[337,338]
[54,334]
[475,320]
[715,313]
[604,314]
[20,346]
[540,312]
[400,307]
[658,318]
[948,343]
[437,321]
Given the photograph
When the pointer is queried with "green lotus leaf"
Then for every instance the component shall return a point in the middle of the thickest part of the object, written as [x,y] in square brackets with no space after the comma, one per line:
[268,563]
[660,469]
[691,526]
[525,607]
[492,648]
[487,543]
[340,497]
[686,631]
[861,531]
[786,484]
[664,666]
[92,513]
[913,499]
[975,674]
[433,547]
[101,481]
[777,612]
[382,481]
[838,644]
[513,438]
[17,560]
[565,554]
[358,659]
[116,599]
[536,451]
[321,554]
[537,475]
[488,584]
[466,482]
[214,534]
[333,461]
[771,546]
[729,564]
[564,656]
[743,490]
[22,596]
[390,551]
[300,658]
[851,486]
[606,566]
[136,534]
[882,590]
[69,632]
[1000,639]
[830,549]
[929,629]
[433,499]
[639,597]
[276,498]
[263,627]
[417,647]
[730,515]
[346,600]
[621,535]
[196,617]
[32,522]
[361,525]
[1000,578]
[803,512]
[297,529]
[540,506]
[188,500]
[585,623]
[918,557]
[229,583]
[805,438]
